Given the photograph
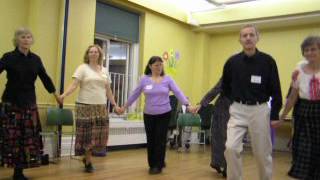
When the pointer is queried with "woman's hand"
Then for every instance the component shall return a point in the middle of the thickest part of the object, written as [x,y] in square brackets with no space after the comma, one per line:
[278,123]
[117,109]
[58,99]
[192,109]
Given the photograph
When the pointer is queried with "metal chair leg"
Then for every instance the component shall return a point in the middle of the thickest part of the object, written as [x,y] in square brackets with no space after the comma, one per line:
[71,146]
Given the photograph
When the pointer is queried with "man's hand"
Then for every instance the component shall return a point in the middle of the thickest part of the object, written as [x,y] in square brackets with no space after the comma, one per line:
[276,123]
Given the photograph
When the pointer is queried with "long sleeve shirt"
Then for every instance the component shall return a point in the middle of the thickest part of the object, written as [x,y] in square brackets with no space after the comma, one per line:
[157,95]
[253,79]
[22,71]
[211,94]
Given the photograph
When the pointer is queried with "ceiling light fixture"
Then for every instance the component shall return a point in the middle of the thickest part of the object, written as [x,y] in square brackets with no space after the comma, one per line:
[227,2]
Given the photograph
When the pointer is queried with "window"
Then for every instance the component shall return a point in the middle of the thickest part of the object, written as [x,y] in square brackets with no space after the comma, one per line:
[121,62]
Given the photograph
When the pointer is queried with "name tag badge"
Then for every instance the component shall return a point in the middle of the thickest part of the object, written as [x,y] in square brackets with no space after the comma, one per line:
[148,87]
[255,79]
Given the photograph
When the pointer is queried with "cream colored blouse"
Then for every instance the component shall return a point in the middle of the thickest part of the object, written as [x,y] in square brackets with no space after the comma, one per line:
[92,85]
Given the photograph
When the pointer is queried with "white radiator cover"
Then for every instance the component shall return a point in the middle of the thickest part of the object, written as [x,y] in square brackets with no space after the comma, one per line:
[124,132]
[121,132]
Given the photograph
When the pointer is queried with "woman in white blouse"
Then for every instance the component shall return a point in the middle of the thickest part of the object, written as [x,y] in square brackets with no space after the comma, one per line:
[305,96]
[92,121]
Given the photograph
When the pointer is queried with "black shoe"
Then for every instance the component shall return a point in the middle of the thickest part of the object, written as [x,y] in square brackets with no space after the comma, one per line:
[19,177]
[164,165]
[155,170]
[207,141]
[89,168]
[187,146]
[217,168]
[224,172]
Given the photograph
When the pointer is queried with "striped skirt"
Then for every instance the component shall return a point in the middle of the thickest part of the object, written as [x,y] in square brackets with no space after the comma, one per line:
[306,141]
[92,127]
[20,141]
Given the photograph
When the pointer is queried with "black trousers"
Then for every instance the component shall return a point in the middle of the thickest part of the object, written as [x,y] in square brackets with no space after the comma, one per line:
[156,127]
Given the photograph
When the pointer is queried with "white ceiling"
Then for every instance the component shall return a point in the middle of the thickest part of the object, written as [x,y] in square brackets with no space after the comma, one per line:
[263,23]
[192,6]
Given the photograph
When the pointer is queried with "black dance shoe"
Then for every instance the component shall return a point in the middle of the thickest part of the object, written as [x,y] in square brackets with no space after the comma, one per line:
[155,170]
[89,168]
[19,177]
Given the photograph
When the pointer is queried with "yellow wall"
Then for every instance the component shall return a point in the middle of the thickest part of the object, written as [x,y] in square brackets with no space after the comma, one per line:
[43,20]
[282,43]
[13,15]
[81,25]
[200,78]
[163,34]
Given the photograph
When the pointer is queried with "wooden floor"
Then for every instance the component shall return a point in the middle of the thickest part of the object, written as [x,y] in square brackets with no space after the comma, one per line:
[132,165]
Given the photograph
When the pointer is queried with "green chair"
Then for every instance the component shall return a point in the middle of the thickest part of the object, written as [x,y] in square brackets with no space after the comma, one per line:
[193,120]
[66,117]
[59,117]
[189,119]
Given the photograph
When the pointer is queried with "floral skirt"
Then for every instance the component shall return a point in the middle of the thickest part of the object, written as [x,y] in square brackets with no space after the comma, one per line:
[20,141]
[92,127]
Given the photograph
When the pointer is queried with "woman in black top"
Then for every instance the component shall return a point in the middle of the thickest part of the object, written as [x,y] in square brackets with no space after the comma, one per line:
[219,123]
[20,140]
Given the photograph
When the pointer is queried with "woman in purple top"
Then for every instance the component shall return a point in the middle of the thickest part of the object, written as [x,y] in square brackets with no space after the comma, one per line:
[156,87]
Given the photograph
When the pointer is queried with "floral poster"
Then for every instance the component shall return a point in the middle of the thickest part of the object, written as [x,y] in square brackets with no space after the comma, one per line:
[171,59]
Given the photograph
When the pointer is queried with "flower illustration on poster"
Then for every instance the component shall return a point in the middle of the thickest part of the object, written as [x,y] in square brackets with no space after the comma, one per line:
[171,59]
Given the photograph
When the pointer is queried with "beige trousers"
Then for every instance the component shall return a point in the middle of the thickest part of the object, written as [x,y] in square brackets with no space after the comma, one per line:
[256,120]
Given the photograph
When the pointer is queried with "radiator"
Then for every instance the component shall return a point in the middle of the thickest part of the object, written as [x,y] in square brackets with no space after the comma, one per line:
[121,132]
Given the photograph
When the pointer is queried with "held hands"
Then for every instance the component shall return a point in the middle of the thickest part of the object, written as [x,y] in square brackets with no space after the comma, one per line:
[58,99]
[277,123]
[193,109]
[119,110]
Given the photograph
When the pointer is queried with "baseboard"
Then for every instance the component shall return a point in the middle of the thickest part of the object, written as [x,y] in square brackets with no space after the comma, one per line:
[126,147]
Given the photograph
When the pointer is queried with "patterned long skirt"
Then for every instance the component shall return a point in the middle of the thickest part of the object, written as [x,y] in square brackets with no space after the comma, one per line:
[92,127]
[306,141]
[219,123]
[20,141]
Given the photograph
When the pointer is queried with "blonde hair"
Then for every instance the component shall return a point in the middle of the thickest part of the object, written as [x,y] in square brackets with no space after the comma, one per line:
[86,55]
[18,32]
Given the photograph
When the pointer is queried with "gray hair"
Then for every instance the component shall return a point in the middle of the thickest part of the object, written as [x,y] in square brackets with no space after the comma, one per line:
[18,32]
[309,41]
[250,26]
